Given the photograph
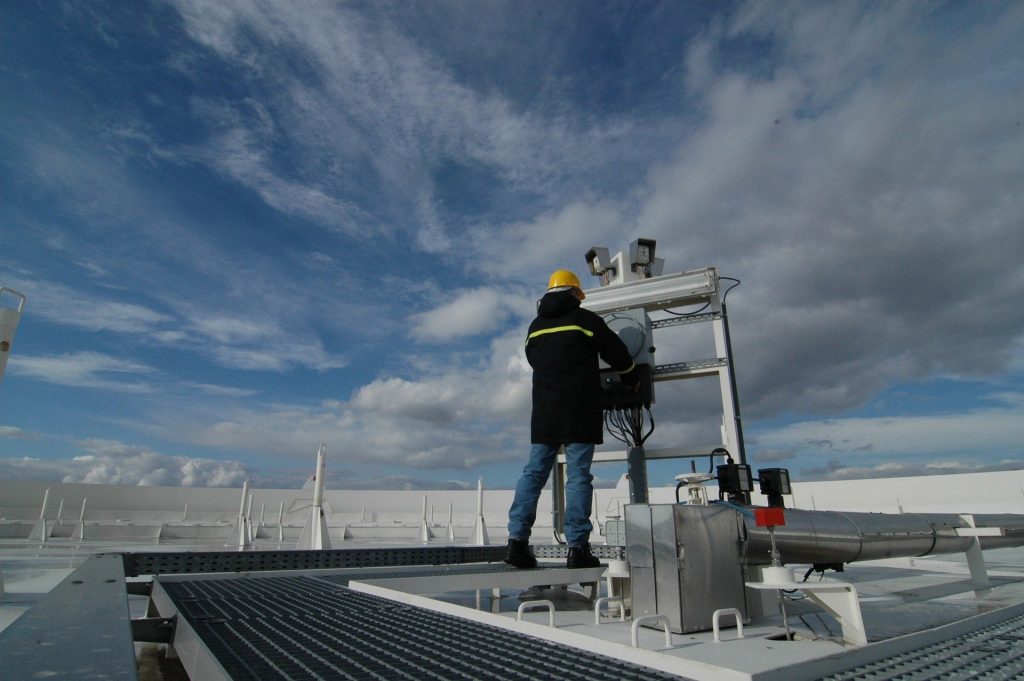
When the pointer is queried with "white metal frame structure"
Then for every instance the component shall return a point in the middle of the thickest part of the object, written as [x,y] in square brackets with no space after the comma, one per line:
[693,287]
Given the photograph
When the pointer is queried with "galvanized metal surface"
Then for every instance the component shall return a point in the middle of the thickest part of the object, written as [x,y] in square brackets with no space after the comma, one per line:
[697,564]
[479,578]
[640,551]
[193,562]
[835,537]
[81,630]
[994,652]
[658,293]
[314,628]
[136,564]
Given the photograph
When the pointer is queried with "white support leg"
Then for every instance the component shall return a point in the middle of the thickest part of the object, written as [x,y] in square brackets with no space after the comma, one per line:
[975,559]
[844,606]
[837,598]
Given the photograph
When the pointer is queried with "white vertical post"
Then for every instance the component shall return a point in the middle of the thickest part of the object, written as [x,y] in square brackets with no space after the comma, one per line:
[975,559]
[39,532]
[424,530]
[451,525]
[80,533]
[248,518]
[480,527]
[318,478]
[280,522]
[241,539]
[184,514]
[60,509]
[314,533]
[730,433]
[245,497]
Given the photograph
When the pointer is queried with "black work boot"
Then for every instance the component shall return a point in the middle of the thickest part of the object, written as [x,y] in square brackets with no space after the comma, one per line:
[581,557]
[519,554]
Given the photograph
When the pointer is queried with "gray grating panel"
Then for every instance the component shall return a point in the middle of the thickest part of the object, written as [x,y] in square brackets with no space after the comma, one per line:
[992,653]
[314,628]
[136,564]
[192,562]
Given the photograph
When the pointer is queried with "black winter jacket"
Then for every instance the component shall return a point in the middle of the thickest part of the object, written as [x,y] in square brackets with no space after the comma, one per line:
[563,346]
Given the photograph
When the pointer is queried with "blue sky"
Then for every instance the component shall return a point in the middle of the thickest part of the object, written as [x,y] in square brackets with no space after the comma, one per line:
[244,228]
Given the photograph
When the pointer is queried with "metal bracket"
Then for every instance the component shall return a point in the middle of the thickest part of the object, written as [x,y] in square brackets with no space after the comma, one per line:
[154,629]
[139,588]
[839,599]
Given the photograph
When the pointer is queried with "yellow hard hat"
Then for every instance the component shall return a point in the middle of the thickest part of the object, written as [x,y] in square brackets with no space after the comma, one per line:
[560,278]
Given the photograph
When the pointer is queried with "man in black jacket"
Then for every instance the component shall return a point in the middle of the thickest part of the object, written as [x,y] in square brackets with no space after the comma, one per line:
[563,346]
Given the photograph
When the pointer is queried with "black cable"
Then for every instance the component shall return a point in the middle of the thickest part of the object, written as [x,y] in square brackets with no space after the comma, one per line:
[726,294]
[650,416]
[689,314]
[612,431]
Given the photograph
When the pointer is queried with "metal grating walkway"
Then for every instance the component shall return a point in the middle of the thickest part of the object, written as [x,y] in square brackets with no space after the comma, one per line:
[300,628]
[990,653]
[192,562]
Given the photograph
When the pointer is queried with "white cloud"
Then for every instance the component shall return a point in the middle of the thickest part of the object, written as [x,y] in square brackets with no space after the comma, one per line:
[990,429]
[116,463]
[456,417]
[13,433]
[220,390]
[86,370]
[835,470]
[471,312]
[866,190]
[67,306]
[374,98]
[251,341]
[529,250]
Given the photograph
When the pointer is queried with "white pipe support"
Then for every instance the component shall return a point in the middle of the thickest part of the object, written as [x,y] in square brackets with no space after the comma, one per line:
[717,614]
[609,599]
[634,632]
[530,605]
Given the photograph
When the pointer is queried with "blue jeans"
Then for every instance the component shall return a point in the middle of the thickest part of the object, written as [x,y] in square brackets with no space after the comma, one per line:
[579,491]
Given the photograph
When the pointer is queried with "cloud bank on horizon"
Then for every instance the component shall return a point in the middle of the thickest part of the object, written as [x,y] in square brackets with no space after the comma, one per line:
[244,228]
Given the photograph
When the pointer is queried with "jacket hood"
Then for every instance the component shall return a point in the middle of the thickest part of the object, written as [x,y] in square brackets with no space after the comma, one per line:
[557,303]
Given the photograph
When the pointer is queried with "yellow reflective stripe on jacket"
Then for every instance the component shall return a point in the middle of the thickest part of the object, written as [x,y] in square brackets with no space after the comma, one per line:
[557,329]
[631,367]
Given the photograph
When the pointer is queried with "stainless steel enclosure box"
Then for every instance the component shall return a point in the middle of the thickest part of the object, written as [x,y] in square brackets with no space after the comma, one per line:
[685,562]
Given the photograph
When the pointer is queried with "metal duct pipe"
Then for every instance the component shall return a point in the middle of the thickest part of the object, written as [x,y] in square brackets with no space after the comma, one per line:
[836,537]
